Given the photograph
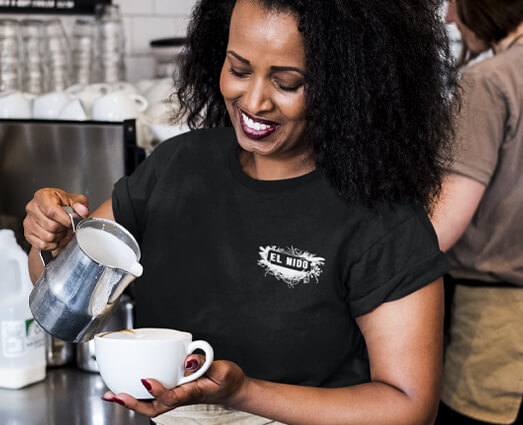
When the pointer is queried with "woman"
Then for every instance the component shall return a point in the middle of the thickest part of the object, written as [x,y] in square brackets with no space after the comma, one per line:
[479,222]
[298,215]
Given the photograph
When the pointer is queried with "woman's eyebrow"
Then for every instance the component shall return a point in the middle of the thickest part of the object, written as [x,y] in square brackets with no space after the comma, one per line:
[287,68]
[273,68]
[237,56]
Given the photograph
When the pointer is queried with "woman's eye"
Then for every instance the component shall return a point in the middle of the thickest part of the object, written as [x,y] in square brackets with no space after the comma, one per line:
[238,73]
[285,87]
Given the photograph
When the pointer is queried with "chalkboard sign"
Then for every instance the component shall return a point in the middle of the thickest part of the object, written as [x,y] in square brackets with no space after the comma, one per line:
[80,7]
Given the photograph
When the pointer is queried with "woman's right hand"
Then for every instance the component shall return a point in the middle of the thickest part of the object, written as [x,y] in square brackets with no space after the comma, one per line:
[47,226]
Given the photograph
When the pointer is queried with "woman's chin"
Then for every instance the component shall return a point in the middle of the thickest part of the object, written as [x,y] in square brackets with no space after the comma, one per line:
[261,145]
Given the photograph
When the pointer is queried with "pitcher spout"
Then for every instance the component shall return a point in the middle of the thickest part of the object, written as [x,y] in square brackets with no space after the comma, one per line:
[136,269]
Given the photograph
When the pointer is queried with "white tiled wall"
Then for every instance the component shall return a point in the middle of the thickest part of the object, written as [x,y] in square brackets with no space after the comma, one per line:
[144,20]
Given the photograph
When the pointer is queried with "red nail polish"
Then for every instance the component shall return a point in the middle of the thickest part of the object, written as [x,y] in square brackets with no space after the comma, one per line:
[114,399]
[146,384]
[191,365]
[117,400]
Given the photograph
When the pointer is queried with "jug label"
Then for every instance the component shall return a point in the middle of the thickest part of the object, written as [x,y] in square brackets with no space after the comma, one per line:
[20,336]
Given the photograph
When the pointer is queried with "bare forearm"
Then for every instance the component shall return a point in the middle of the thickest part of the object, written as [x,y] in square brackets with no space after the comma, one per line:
[404,340]
[459,200]
[371,403]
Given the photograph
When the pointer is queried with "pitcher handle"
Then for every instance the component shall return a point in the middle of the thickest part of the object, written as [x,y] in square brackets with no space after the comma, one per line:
[73,215]
[47,256]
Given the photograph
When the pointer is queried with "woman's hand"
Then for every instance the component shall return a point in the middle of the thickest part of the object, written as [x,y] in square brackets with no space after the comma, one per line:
[222,382]
[47,226]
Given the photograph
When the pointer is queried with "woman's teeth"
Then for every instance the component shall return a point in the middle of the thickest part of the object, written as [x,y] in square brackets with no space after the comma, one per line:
[254,125]
[255,129]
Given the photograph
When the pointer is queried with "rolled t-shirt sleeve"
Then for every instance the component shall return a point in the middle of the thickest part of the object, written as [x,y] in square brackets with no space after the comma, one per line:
[401,262]
[480,127]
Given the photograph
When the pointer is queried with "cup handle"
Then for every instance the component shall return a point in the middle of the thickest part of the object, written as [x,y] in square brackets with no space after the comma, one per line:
[140,101]
[104,88]
[209,357]
[74,89]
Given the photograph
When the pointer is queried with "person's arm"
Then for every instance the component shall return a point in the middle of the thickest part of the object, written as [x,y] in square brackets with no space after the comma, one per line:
[404,340]
[459,200]
[48,227]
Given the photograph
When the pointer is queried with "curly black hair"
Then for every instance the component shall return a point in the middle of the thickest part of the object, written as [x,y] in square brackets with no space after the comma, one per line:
[379,83]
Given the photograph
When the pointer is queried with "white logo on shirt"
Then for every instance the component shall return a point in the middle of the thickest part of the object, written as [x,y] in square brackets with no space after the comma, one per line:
[291,264]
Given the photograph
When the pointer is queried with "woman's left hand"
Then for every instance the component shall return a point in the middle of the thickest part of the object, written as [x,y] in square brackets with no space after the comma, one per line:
[219,385]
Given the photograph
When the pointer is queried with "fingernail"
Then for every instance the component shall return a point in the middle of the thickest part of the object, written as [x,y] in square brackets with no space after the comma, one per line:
[146,384]
[114,399]
[117,400]
[191,365]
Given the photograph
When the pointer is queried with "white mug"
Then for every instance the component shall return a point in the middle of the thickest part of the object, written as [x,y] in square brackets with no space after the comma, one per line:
[15,105]
[126,357]
[159,113]
[118,106]
[160,91]
[124,86]
[73,111]
[88,93]
[49,106]
[144,84]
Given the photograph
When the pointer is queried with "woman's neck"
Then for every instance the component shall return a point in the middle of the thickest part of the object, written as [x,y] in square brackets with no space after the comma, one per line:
[515,37]
[265,168]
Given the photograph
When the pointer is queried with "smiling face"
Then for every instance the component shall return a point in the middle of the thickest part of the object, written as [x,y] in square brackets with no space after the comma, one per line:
[262,82]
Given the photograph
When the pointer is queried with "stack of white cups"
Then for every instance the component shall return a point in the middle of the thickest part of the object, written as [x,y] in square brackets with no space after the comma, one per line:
[34,78]
[58,55]
[10,54]
[83,51]
[110,60]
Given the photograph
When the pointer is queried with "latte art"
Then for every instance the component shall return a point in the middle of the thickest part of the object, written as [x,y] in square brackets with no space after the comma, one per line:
[146,334]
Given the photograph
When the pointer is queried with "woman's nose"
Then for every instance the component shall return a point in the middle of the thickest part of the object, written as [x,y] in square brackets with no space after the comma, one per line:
[257,98]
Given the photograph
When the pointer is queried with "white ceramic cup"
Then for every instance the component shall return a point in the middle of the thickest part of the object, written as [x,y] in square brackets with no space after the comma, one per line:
[126,357]
[144,84]
[73,111]
[160,91]
[49,105]
[88,94]
[118,106]
[15,105]
[124,86]
[159,113]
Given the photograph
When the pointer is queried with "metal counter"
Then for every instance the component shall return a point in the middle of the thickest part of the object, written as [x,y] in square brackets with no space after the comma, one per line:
[67,396]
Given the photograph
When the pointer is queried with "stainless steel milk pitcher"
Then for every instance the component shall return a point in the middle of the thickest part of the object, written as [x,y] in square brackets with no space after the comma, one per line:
[75,294]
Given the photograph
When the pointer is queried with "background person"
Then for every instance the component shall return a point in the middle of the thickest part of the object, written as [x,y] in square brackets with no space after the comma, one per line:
[322,143]
[479,222]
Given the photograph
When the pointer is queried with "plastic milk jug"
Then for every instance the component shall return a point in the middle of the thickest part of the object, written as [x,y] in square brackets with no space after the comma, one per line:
[22,340]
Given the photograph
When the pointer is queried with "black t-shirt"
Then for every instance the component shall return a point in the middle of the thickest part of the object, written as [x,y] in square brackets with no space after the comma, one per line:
[271,273]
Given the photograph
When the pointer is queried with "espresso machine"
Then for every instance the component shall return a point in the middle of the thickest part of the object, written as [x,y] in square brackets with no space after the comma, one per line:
[80,157]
